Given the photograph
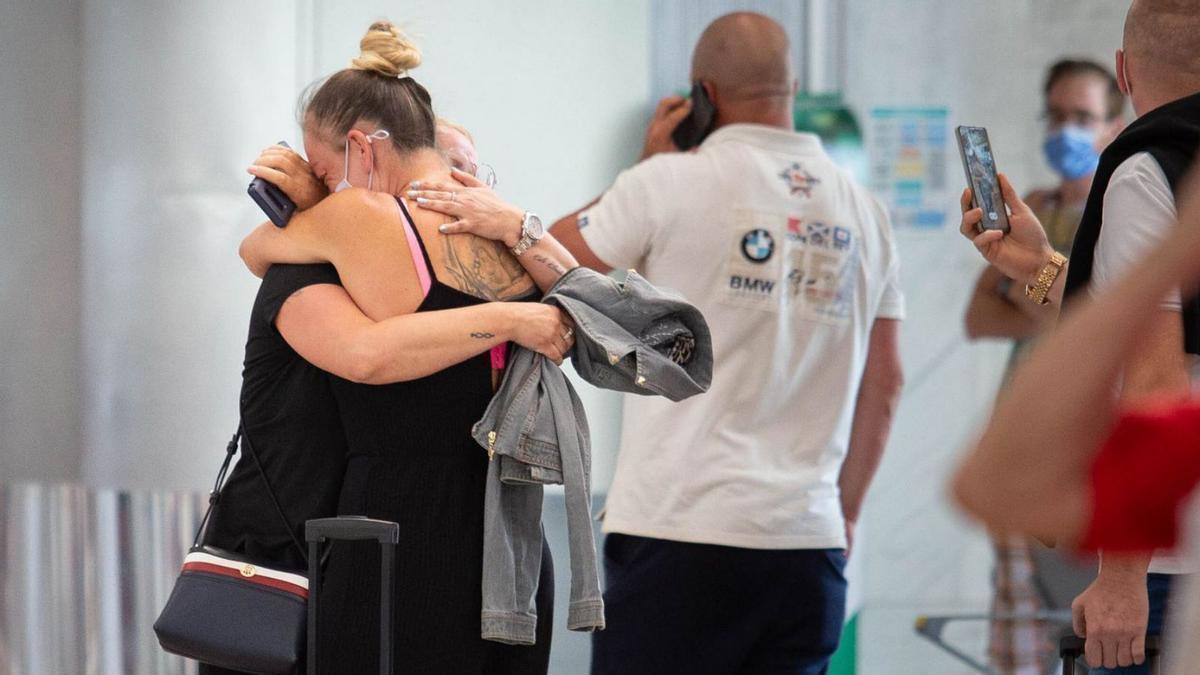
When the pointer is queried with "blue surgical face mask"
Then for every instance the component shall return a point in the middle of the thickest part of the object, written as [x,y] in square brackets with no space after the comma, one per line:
[377,135]
[1071,152]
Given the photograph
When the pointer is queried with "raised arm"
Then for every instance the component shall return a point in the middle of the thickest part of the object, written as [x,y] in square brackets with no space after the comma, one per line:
[359,232]
[1019,254]
[268,245]
[1029,471]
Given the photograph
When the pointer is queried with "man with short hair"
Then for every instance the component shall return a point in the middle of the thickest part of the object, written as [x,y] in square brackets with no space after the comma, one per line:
[1131,207]
[730,514]
[1159,70]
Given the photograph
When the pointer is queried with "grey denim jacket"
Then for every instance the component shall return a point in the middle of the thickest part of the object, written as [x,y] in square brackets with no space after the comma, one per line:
[631,337]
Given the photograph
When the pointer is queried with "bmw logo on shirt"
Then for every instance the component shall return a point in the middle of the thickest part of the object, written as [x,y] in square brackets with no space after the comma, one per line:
[757,246]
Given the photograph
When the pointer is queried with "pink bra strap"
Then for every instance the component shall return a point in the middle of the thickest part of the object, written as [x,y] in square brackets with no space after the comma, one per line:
[418,258]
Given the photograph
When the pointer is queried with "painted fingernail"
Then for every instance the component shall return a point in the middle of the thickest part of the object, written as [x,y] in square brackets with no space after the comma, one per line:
[443,228]
[412,194]
[416,184]
[421,200]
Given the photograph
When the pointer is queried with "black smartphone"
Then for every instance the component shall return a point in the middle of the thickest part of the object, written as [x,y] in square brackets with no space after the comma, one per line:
[277,205]
[980,166]
[698,124]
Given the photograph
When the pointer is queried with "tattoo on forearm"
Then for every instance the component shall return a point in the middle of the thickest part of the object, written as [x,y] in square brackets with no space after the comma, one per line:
[551,263]
[483,336]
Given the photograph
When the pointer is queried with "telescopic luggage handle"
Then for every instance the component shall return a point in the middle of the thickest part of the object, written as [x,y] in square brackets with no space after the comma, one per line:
[1070,648]
[353,528]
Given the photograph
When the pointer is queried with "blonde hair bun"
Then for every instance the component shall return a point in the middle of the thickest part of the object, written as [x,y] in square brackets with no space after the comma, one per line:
[387,51]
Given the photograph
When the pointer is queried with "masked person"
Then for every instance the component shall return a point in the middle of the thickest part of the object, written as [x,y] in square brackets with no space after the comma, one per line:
[1083,107]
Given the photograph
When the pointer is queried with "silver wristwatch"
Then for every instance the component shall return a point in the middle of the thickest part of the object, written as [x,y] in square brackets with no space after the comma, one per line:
[532,231]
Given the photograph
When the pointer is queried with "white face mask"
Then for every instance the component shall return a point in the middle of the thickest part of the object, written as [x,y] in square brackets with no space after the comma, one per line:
[377,135]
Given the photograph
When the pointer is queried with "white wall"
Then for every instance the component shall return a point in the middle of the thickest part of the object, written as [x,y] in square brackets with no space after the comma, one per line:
[985,61]
[179,98]
[39,247]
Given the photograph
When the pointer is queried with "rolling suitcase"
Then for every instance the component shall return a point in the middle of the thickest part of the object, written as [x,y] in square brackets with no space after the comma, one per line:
[353,528]
[1070,648]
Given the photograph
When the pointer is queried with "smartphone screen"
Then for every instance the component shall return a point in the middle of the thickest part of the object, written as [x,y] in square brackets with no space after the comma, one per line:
[980,167]
[694,128]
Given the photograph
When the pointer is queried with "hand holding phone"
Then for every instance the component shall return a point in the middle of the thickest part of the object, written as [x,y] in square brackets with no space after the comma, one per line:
[699,121]
[273,201]
[980,167]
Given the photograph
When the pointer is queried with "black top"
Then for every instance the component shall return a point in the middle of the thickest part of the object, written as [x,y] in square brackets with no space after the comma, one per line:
[413,461]
[1171,134]
[291,418]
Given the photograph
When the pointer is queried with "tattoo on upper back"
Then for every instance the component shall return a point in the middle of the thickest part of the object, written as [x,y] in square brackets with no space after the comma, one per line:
[484,268]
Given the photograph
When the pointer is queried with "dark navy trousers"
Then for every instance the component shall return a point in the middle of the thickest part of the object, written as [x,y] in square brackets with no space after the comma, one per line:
[675,607]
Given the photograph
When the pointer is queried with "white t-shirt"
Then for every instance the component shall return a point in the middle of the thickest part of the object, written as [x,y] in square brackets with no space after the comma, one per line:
[1139,212]
[791,263]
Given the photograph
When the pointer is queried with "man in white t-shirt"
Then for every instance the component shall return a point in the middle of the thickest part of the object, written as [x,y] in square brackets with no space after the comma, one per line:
[730,513]
[1132,208]
[1131,593]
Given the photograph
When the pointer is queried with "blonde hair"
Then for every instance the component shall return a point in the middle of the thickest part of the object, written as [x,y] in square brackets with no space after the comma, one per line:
[386,50]
[376,88]
[443,122]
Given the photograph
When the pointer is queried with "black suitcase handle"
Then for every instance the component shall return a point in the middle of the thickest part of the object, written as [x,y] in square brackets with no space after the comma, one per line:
[353,528]
[1070,648]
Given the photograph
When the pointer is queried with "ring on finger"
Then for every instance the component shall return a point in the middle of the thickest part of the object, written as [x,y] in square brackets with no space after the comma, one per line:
[453,196]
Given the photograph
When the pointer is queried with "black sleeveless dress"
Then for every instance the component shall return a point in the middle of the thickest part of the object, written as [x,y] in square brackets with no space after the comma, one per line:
[412,460]
[291,417]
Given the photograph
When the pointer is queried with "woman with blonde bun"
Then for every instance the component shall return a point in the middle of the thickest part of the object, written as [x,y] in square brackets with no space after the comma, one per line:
[369,133]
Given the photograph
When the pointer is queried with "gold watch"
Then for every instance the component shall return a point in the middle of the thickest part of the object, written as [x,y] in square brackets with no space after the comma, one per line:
[1045,279]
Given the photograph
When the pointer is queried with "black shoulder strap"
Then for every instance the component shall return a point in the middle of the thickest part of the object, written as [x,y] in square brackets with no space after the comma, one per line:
[412,227]
[215,495]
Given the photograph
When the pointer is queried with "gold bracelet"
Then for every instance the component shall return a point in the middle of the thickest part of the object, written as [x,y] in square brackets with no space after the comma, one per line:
[1045,279]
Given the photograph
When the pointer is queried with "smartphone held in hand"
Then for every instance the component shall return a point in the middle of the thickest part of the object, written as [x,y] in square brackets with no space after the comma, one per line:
[980,167]
[698,124]
[277,205]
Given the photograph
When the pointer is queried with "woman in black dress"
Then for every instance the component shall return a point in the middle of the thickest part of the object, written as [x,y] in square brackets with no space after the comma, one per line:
[411,458]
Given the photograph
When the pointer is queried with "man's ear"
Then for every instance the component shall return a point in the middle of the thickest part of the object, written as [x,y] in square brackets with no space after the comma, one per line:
[1122,80]
[711,90]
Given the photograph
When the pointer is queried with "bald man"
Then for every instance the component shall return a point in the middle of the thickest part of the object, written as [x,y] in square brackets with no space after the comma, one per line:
[1130,208]
[730,514]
